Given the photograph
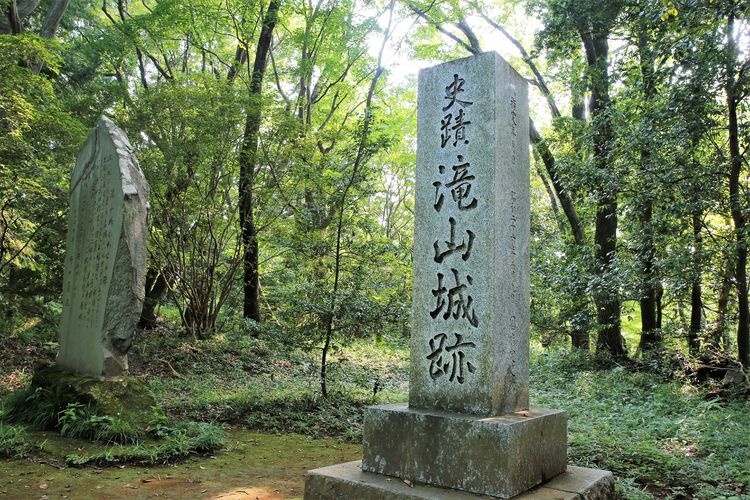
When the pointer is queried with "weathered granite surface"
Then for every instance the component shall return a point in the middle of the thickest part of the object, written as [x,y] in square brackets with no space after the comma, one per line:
[105,261]
[497,456]
[470,335]
[347,482]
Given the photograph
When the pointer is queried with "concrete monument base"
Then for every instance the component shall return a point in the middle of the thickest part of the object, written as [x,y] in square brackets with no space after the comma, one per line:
[348,481]
[497,456]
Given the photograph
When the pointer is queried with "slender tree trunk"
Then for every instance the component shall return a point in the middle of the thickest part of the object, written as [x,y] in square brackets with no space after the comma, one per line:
[650,328]
[736,199]
[696,301]
[53,18]
[566,202]
[248,162]
[358,163]
[650,335]
[550,192]
[579,335]
[156,287]
[719,333]
[13,14]
[606,295]
[659,308]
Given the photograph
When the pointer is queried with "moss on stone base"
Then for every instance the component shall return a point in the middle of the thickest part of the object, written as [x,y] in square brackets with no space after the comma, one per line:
[115,409]
[126,398]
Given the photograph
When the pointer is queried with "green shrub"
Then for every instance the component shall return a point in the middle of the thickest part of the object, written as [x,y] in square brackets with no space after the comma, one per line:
[13,442]
[79,421]
[174,443]
[37,407]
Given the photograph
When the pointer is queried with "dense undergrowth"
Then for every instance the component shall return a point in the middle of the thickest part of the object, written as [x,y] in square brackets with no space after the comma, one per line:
[661,435]
[118,439]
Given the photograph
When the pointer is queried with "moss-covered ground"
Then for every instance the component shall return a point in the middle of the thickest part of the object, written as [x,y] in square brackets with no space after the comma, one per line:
[252,465]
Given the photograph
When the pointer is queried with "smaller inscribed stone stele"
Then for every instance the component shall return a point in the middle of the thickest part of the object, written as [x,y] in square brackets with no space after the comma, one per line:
[105,259]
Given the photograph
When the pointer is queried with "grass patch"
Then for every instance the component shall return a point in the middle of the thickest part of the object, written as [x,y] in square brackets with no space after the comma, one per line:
[173,443]
[661,438]
[261,384]
[97,439]
[13,441]
[42,409]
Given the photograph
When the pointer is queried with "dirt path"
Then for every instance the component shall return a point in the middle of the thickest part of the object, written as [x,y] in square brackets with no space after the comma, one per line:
[252,466]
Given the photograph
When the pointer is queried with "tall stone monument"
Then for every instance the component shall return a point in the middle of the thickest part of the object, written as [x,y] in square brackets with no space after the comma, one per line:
[468,428]
[105,261]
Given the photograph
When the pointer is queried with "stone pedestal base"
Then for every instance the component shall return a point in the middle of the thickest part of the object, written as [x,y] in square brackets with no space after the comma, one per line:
[496,456]
[348,482]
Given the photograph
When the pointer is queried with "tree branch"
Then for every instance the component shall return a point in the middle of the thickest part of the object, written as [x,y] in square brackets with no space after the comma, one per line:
[438,26]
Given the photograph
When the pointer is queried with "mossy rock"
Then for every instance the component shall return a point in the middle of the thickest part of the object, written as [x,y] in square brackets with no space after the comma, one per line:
[126,398]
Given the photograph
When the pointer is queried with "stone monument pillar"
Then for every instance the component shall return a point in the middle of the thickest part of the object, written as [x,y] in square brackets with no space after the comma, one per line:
[105,259]
[468,428]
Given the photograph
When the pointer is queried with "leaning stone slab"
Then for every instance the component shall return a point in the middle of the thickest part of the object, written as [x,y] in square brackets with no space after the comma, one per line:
[348,481]
[105,261]
[497,456]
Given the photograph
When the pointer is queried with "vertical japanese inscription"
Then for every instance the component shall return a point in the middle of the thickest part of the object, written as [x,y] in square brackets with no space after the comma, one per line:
[450,352]
[470,337]
[514,299]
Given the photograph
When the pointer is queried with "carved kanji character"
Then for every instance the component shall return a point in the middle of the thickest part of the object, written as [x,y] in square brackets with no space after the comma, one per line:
[451,93]
[451,245]
[449,360]
[454,300]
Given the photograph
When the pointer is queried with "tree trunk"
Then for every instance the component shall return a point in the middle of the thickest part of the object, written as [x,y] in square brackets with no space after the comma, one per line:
[736,199]
[156,287]
[550,192]
[14,13]
[719,334]
[359,161]
[696,301]
[576,227]
[248,162]
[580,334]
[650,328]
[53,18]
[606,294]
[650,335]
[11,21]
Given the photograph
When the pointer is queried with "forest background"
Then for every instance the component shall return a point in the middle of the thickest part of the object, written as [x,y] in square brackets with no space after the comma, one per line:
[279,141]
